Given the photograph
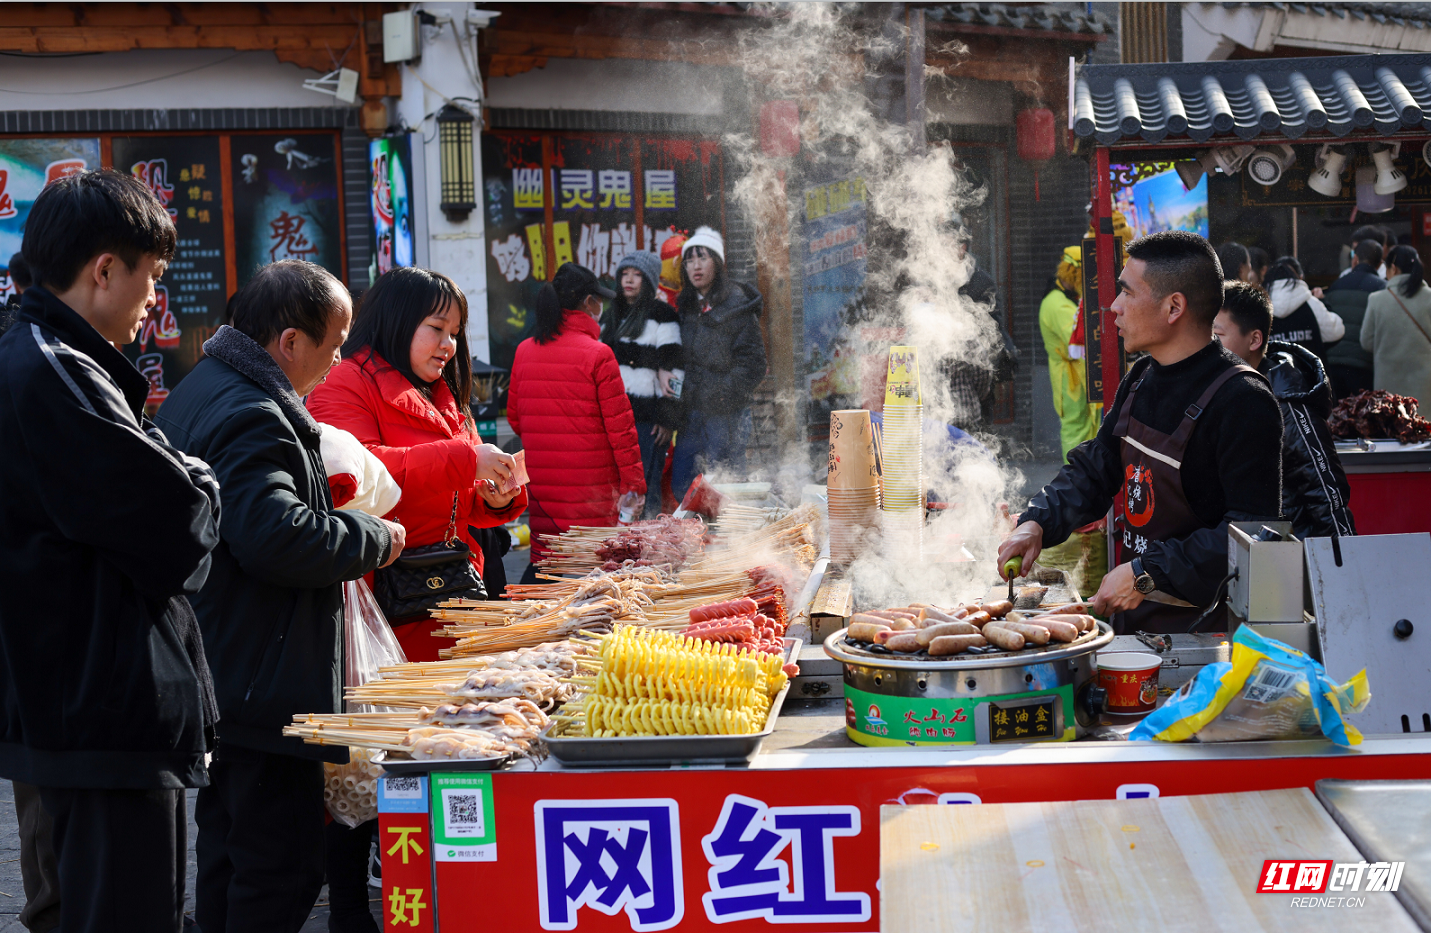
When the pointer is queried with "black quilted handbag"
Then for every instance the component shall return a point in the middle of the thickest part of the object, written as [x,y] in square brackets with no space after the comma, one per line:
[423,577]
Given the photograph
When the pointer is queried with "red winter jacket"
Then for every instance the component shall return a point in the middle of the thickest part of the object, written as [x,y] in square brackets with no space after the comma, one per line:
[430,453]
[568,404]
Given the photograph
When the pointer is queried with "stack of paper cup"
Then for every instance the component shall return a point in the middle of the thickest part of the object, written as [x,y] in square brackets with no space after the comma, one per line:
[902,458]
[853,484]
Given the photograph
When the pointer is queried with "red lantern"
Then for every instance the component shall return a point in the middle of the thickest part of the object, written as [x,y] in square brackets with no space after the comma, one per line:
[1037,139]
[780,128]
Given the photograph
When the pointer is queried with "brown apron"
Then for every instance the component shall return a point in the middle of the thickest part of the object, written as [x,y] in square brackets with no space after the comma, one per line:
[1153,507]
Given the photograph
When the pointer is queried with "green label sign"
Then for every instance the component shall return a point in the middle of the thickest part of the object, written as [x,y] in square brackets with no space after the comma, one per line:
[872,719]
[462,826]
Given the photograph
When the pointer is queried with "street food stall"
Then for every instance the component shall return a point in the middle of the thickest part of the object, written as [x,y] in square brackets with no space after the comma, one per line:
[1347,131]
[696,722]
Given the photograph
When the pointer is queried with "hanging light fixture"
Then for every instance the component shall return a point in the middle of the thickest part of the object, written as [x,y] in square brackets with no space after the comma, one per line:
[1389,178]
[1327,179]
[459,176]
[1368,200]
[1265,166]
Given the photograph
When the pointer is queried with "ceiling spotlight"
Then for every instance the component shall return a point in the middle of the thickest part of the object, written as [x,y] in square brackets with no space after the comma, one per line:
[1368,199]
[1230,158]
[1265,166]
[1191,171]
[1389,178]
[1327,179]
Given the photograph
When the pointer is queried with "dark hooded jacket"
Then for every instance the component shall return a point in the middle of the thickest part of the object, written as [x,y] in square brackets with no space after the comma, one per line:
[1315,492]
[723,348]
[272,609]
[104,529]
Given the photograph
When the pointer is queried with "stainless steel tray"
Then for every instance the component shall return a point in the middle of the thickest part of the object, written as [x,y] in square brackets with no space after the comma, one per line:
[662,750]
[425,766]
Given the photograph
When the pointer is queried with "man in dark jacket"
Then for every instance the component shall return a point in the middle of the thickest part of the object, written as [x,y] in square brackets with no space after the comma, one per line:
[1191,442]
[107,705]
[272,610]
[724,354]
[1315,491]
[1347,363]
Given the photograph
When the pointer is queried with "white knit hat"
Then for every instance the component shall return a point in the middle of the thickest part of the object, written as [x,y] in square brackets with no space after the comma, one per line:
[705,236]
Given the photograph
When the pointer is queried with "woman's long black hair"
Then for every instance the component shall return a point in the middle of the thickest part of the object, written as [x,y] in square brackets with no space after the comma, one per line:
[686,300]
[1408,261]
[1286,267]
[390,314]
[627,319]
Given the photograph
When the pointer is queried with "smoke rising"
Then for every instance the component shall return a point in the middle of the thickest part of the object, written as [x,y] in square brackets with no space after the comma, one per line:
[836,63]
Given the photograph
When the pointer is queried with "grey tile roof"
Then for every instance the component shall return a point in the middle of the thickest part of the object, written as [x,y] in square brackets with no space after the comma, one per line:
[1046,17]
[1402,14]
[1265,99]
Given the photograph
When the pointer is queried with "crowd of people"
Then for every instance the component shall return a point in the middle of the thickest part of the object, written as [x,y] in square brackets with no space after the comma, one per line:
[174,587]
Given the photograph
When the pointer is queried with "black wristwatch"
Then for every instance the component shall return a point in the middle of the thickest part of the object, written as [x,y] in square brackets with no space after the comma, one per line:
[1142,580]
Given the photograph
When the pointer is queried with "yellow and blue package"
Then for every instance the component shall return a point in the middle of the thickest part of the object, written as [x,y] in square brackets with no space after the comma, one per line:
[1269,691]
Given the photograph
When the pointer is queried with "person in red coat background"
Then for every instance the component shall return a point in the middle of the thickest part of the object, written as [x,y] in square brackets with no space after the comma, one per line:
[568,404]
[404,390]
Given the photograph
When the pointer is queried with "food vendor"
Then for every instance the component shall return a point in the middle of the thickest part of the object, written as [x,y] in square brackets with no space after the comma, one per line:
[1192,441]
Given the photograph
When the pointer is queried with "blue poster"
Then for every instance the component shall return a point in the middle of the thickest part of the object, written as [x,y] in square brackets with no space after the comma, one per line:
[26,166]
[1152,198]
[833,253]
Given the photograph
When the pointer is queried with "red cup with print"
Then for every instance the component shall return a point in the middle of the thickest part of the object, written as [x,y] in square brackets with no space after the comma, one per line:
[1131,679]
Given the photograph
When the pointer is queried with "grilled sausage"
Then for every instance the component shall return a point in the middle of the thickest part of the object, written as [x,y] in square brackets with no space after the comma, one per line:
[890,613]
[998,609]
[1033,633]
[1059,630]
[954,644]
[999,635]
[903,641]
[865,631]
[944,629]
[1085,623]
[977,619]
[734,607]
[934,616]
[866,618]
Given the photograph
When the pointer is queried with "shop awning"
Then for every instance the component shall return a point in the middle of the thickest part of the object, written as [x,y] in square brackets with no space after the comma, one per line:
[1268,100]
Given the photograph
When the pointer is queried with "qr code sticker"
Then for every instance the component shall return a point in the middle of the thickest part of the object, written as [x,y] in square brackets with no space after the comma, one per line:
[464,813]
[1270,684]
[404,787]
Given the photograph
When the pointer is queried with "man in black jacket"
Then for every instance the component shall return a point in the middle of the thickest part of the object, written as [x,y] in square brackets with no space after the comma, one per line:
[1192,441]
[1315,491]
[272,610]
[107,705]
[1348,365]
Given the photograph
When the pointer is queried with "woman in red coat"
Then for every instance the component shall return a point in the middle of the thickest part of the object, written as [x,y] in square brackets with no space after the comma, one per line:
[568,404]
[404,390]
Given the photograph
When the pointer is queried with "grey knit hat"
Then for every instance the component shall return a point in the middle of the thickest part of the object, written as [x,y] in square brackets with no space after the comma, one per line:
[647,263]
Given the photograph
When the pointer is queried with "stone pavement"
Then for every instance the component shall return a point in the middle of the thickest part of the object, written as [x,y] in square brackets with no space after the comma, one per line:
[12,892]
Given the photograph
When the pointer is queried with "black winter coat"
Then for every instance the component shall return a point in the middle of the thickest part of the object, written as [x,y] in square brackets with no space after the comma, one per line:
[1315,491]
[103,530]
[723,348]
[1347,297]
[272,609]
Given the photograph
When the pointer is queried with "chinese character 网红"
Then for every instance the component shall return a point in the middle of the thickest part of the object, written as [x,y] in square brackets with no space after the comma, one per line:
[749,880]
[611,855]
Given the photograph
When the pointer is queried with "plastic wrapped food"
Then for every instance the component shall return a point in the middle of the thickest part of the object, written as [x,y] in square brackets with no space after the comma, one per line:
[351,790]
[1268,691]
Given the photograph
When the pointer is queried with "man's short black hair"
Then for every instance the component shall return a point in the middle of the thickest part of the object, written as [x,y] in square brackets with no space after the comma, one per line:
[1366,232]
[1249,307]
[76,218]
[1232,257]
[290,293]
[1179,261]
[20,272]
[1369,252]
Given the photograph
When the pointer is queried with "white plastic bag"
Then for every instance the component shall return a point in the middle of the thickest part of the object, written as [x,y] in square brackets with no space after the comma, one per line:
[368,640]
[351,790]
[357,478]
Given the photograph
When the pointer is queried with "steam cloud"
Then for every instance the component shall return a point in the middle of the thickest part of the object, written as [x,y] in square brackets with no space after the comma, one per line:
[828,58]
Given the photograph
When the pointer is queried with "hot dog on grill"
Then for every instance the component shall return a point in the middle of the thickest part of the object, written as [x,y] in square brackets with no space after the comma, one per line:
[1002,637]
[865,631]
[1034,634]
[927,635]
[903,641]
[998,609]
[954,644]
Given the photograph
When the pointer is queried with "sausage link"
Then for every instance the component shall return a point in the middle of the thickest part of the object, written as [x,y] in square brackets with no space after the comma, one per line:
[733,607]
[865,631]
[954,644]
[927,635]
[998,609]
[1033,633]
[999,635]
